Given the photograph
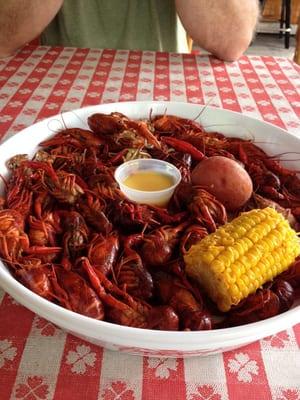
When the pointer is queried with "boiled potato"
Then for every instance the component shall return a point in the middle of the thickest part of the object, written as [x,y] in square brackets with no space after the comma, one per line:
[226,179]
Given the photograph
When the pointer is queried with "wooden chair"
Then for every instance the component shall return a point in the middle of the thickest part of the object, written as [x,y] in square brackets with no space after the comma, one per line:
[189,42]
[286,12]
[297,48]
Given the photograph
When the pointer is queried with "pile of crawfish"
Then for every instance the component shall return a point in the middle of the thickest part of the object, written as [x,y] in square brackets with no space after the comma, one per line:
[68,233]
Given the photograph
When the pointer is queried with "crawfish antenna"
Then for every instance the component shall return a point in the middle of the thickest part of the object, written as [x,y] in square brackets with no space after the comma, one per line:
[150,114]
[60,126]
[203,109]
[4,181]
[64,122]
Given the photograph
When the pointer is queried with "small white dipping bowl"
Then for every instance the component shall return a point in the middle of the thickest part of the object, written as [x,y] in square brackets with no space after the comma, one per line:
[158,198]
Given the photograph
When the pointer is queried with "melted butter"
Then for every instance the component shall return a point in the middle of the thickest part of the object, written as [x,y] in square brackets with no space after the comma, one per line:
[149,181]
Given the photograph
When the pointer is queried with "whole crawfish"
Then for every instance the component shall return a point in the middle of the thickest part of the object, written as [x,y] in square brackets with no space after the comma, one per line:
[121,307]
[36,276]
[174,293]
[192,235]
[116,123]
[74,293]
[130,272]
[105,187]
[285,293]
[203,206]
[93,210]
[75,236]
[103,252]
[19,194]
[13,239]
[44,232]
[292,275]
[258,306]
[158,247]
[171,124]
[131,217]
[77,137]
[60,184]
[163,318]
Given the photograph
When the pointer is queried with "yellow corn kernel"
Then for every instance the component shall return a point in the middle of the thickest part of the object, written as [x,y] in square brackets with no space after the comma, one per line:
[242,255]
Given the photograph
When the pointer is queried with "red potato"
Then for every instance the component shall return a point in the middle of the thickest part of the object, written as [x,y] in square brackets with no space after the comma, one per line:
[226,179]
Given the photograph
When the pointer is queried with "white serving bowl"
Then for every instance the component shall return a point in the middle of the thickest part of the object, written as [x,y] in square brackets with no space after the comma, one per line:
[141,341]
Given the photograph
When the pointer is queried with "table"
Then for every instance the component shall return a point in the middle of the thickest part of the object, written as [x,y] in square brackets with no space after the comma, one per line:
[40,361]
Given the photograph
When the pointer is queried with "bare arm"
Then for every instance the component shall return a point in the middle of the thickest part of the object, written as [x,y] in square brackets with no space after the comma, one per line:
[222,27]
[23,20]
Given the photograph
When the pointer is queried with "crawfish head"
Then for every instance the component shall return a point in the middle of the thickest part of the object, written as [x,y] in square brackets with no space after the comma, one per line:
[183,162]
[285,293]
[262,202]
[103,124]
[158,246]
[13,239]
[163,318]
[85,136]
[122,314]
[65,189]
[103,251]
[19,194]
[207,209]
[120,306]
[131,216]
[258,306]
[75,235]
[41,232]
[36,277]
[132,276]
[292,184]
[156,250]
[60,184]
[75,294]
[181,196]
[292,275]
[265,178]
[192,235]
[104,186]
[16,161]
[172,124]
[174,293]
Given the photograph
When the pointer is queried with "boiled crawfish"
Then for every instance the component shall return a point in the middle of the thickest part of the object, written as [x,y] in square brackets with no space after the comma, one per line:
[74,293]
[103,252]
[69,234]
[258,306]
[174,293]
[158,247]
[13,239]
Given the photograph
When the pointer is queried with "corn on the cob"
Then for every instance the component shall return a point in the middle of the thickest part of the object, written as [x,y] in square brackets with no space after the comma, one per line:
[242,255]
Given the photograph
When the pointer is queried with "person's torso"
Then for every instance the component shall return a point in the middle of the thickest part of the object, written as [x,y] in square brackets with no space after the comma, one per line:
[118,24]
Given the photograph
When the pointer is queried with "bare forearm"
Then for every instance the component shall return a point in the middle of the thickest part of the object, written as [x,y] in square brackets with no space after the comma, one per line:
[23,20]
[223,27]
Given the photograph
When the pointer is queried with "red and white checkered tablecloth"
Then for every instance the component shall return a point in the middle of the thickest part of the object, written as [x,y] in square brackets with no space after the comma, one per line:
[38,361]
